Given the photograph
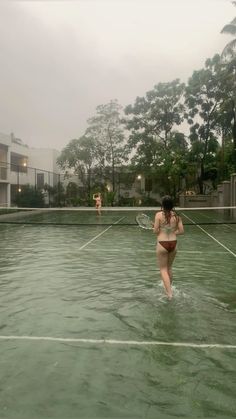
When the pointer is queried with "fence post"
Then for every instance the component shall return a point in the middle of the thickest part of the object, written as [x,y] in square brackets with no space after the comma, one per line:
[35,179]
[59,190]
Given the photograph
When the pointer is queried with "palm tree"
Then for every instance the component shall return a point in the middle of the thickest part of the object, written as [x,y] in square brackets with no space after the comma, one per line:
[229,49]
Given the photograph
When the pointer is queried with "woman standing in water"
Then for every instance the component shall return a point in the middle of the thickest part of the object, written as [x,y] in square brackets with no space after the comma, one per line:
[167,226]
[97,197]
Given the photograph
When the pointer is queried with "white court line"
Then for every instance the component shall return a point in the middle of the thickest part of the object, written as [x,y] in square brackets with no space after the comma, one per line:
[212,237]
[119,342]
[100,234]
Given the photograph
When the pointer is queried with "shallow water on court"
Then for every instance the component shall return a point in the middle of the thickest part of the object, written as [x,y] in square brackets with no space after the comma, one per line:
[64,282]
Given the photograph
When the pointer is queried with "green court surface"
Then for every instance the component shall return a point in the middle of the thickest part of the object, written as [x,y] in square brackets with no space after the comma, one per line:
[87,332]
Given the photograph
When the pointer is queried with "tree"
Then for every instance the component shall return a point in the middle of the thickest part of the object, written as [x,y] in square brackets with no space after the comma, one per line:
[169,174]
[226,128]
[230,28]
[228,108]
[152,118]
[204,97]
[230,81]
[56,194]
[151,122]
[81,156]
[29,197]
[72,193]
[107,131]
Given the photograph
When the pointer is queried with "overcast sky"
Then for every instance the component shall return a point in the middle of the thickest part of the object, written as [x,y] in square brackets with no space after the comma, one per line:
[61,59]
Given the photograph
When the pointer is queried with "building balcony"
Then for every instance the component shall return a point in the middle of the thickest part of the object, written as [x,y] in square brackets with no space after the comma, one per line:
[3,172]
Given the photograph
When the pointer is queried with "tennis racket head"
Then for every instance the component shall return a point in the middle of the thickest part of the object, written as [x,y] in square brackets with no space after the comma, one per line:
[144,221]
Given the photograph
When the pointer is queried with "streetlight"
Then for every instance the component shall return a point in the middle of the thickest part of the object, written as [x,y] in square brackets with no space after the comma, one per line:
[18,177]
[139,177]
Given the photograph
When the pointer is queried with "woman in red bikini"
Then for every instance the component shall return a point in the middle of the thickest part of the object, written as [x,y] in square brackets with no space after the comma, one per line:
[98,202]
[167,226]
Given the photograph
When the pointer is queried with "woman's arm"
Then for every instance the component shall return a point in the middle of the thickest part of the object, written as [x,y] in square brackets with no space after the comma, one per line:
[180,227]
[156,226]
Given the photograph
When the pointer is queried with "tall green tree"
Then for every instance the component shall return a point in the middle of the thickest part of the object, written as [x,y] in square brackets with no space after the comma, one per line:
[226,124]
[204,97]
[229,80]
[227,117]
[230,28]
[151,121]
[81,156]
[171,174]
[107,131]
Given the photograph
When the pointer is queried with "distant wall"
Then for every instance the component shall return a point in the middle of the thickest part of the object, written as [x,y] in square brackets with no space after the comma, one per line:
[224,196]
[192,201]
[233,189]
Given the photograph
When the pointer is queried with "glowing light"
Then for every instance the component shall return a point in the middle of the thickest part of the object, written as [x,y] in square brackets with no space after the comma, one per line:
[139,177]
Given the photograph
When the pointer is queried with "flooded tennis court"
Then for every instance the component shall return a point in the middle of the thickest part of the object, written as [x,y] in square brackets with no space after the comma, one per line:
[86,329]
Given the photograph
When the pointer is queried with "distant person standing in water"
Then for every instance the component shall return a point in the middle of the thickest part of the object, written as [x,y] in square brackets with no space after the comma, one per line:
[167,226]
[98,202]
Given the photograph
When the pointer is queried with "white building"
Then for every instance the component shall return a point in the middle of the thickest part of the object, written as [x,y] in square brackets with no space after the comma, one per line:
[21,165]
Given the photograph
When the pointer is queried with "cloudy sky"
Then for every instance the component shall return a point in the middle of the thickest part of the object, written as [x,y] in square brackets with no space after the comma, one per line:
[61,59]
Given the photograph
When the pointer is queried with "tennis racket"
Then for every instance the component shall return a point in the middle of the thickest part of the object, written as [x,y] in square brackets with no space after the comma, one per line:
[144,221]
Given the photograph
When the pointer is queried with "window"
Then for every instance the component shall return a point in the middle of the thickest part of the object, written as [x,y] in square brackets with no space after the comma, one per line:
[18,163]
[40,180]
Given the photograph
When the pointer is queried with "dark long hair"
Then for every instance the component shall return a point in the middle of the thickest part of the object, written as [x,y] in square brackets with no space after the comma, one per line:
[167,206]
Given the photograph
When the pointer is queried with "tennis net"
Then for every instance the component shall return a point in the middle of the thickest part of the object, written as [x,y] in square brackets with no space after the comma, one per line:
[116,216]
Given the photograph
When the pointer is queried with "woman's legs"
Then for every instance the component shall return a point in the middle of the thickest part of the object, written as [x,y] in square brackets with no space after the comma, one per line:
[170,262]
[98,208]
[165,268]
[162,257]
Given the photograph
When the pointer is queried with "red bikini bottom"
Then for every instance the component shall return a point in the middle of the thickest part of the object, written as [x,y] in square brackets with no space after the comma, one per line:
[169,245]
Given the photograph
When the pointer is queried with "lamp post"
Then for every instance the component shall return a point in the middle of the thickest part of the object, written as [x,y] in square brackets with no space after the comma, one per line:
[18,180]
[18,177]
[200,172]
[119,188]
[59,190]
[35,179]
[139,177]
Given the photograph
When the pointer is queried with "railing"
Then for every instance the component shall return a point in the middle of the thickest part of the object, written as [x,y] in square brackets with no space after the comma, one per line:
[21,174]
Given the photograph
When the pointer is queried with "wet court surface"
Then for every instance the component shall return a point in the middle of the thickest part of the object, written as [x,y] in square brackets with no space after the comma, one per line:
[99,288]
